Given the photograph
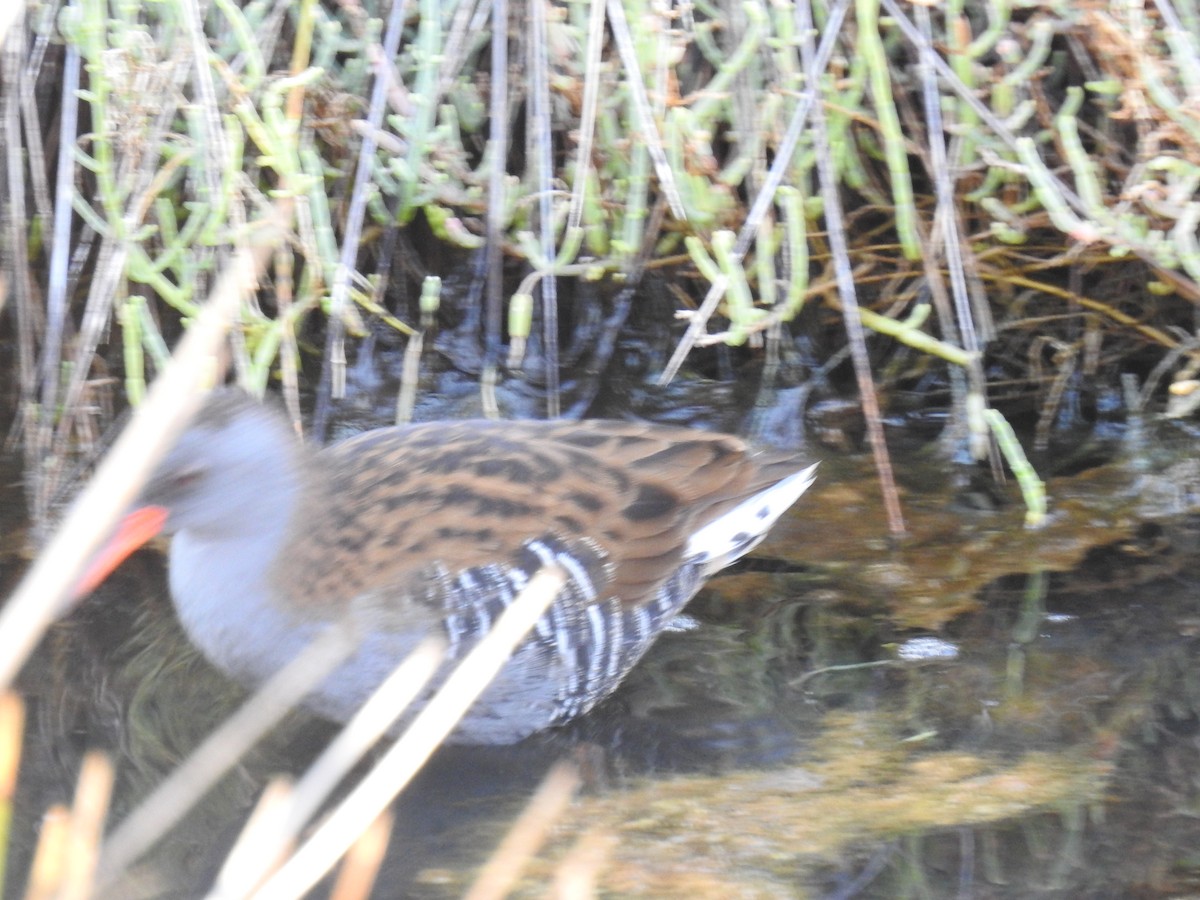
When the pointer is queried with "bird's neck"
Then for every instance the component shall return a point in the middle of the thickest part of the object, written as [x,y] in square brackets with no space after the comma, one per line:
[230,558]
[224,585]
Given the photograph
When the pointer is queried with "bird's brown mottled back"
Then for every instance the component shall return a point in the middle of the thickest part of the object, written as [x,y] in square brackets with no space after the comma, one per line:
[401,501]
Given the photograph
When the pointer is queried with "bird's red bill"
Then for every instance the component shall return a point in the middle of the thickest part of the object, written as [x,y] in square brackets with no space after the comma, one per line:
[134,531]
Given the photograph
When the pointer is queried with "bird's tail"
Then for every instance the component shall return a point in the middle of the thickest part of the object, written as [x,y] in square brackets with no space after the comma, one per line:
[738,531]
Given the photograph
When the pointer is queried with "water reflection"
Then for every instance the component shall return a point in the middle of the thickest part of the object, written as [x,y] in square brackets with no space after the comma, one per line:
[794,744]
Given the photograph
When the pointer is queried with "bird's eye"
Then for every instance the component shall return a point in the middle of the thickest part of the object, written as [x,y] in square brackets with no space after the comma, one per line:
[184,480]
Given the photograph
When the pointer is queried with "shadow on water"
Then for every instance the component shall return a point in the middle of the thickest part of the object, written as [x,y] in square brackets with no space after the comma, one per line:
[978,710]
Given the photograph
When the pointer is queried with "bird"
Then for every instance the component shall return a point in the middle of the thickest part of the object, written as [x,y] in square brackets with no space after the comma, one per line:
[409,530]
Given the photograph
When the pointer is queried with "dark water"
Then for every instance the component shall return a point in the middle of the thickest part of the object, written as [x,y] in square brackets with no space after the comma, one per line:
[977,710]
